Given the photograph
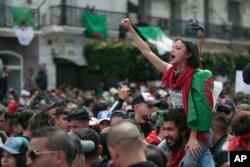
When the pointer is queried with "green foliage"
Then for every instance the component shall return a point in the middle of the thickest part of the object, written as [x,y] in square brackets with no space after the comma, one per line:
[120,59]
[219,63]
[124,60]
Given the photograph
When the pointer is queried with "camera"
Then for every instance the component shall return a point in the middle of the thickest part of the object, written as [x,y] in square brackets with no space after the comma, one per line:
[193,27]
[121,84]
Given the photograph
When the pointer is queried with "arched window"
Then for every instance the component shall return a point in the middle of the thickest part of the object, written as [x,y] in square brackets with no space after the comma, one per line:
[15,63]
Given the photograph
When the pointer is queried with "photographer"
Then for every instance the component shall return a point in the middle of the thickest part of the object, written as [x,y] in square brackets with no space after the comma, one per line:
[190,88]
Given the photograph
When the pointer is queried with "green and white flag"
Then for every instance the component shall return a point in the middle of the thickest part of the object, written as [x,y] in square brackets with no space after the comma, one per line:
[157,37]
[95,25]
[23,24]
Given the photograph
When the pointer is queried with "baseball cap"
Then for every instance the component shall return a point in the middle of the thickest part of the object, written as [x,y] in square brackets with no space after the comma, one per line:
[79,113]
[25,93]
[104,115]
[14,146]
[246,73]
[227,103]
[145,98]
[82,146]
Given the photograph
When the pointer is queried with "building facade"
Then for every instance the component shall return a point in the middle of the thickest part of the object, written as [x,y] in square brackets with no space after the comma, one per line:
[59,42]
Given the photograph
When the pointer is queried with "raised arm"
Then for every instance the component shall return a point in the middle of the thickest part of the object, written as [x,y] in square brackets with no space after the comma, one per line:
[144,48]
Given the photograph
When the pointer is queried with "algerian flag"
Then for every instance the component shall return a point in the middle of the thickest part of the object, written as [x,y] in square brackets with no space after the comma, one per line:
[23,24]
[157,37]
[95,25]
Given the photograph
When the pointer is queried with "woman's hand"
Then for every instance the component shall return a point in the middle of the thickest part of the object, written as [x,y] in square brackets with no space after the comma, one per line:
[194,147]
[126,23]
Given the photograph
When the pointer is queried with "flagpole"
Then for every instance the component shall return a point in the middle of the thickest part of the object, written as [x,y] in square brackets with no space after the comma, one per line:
[201,39]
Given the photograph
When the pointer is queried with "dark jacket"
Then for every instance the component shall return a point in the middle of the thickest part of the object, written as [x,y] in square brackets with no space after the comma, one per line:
[146,128]
[101,163]
[219,151]
[3,86]
[143,164]
[42,80]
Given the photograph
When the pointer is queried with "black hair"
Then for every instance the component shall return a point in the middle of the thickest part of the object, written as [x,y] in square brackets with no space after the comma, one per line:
[156,155]
[23,118]
[176,115]
[89,134]
[192,49]
[61,111]
[119,114]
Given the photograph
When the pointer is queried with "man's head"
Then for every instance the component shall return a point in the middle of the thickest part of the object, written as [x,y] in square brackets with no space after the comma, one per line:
[6,69]
[104,119]
[227,107]
[81,146]
[24,117]
[50,147]
[175,129]
[143,106]
[241,129]
[123,139]
[90,135]
[78,118]
[219,125]
[117,116]
[61,119]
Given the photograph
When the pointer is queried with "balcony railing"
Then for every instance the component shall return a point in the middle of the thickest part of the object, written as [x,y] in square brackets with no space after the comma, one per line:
[72,16]
[7,21]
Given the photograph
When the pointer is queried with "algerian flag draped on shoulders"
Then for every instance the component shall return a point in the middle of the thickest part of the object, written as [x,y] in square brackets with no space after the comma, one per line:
[95,25]
[23,24]
[157,37]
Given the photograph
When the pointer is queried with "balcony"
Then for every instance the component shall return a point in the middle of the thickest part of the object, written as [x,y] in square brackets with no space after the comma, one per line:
[6,17]
[72,16]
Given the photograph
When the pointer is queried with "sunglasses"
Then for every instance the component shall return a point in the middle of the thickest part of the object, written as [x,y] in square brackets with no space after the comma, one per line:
[33,154]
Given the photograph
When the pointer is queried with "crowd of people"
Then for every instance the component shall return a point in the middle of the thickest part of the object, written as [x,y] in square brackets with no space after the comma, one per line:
[174,125]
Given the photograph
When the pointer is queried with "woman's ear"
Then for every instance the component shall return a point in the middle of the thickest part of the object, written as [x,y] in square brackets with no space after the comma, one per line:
[188,55]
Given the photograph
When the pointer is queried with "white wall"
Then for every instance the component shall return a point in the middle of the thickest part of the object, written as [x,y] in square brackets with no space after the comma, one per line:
[160,9]
[218,12]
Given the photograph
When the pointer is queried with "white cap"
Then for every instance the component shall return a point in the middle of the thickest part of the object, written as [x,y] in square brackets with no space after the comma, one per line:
[25,93]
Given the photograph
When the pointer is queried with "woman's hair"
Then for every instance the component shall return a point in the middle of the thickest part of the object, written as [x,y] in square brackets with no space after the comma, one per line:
[192,48]
[19,158]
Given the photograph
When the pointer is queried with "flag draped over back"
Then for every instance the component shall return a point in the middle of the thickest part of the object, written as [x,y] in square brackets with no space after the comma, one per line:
[23,24]
[95,25]
[157,37]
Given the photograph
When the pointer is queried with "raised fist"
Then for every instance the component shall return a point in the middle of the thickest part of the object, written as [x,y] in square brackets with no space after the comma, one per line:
[126,23]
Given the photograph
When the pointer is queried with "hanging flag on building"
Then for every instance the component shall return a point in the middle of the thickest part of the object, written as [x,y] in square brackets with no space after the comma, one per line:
[95,25]
[157,37]
[23,24]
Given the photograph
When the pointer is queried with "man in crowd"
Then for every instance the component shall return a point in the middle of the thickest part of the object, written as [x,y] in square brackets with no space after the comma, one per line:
[176,138]
[4,82]
[104,119]
[61,119]
[51,147]
[219,148]
[41,78]
[126,147]
[227,107]
[144,105]
[92,157]
[78,118]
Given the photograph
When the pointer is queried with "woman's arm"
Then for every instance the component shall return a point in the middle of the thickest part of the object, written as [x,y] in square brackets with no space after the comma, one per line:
[144,48]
